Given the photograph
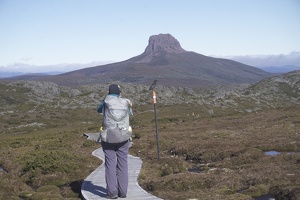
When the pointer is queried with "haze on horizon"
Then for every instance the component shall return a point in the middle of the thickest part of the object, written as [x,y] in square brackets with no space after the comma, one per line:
[66,35]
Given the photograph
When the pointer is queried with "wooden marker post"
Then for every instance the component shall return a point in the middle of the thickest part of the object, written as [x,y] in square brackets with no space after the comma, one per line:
[154,105]
[156,124]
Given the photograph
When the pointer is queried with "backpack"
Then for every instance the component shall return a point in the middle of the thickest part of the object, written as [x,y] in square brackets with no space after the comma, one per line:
[115,123]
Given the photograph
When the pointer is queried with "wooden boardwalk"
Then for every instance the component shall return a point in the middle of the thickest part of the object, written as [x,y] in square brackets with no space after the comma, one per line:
[94,186]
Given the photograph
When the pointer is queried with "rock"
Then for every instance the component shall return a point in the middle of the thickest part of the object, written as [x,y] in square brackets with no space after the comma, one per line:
[163,42]
[284,88]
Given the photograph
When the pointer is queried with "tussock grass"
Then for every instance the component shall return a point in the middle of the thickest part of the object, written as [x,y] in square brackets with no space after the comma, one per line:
[229,151]
[227,146]
[56,155]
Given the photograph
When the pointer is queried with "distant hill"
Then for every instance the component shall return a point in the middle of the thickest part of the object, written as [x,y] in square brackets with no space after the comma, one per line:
[280,69]
[166,61]
[10,74]
[277,89]
[28,76]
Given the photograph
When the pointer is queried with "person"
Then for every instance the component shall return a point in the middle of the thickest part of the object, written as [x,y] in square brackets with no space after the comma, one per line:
[115,141]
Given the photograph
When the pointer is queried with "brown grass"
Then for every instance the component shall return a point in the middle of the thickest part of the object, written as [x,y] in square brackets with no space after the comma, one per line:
[228,149]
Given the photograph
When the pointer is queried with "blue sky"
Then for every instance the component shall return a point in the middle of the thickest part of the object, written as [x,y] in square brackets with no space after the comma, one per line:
[49,32]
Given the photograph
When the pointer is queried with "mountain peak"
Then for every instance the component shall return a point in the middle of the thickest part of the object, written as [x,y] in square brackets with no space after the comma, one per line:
[163,43]
[158,47]
[164,60]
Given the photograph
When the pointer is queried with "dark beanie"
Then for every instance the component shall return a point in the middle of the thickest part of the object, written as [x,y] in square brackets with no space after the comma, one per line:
[114,89]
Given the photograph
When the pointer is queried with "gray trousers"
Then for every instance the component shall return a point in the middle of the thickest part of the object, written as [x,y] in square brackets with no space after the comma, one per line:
[116,167]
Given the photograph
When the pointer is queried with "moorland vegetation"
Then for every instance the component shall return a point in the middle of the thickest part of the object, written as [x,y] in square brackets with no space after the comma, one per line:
[213,141]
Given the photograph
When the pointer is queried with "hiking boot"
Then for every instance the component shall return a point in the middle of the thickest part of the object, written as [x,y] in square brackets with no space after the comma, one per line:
[112,197]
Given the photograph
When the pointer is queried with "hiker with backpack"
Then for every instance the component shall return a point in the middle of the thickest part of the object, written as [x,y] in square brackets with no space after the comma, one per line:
[114,137]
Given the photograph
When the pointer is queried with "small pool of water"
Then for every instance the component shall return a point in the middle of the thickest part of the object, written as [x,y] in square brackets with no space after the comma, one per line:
[265,197]
[194,170]
[272,153]
[2,169]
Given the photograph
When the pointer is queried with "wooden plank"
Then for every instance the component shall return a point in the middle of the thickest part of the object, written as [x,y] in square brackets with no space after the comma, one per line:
[94,186]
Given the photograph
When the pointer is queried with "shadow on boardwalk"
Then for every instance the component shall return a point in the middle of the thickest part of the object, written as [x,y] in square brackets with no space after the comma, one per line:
[94,186]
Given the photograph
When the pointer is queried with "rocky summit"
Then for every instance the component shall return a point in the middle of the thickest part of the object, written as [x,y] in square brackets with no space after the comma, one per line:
[166,61]
[160,44]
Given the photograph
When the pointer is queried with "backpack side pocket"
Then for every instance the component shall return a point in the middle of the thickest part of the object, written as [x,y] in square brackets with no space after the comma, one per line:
[102,136]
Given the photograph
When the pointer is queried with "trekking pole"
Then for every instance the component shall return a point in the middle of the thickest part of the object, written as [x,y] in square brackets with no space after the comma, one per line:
[155,114]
